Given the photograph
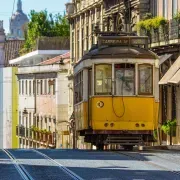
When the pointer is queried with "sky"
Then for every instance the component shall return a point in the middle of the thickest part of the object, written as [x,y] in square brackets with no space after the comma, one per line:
[53,6]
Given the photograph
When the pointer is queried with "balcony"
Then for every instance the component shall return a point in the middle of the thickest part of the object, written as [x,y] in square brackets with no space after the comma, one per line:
[44,138]
[168,35]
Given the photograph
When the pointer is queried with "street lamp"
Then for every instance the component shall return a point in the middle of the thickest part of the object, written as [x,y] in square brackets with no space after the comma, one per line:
[25,112]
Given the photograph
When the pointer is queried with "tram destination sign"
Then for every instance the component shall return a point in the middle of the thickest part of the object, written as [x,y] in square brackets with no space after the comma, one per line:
[122,41]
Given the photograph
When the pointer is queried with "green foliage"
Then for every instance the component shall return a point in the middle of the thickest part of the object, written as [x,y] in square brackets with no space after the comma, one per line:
[177,17]
[153,23]
[168,126]
[155,134]
[43,24]
[43,131]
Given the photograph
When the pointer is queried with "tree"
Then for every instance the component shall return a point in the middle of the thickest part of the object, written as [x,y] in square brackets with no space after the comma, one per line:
[44,24]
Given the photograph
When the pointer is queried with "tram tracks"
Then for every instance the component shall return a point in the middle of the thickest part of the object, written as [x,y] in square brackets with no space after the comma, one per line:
[27,176]
[63,168]
[149,162]
[19,167]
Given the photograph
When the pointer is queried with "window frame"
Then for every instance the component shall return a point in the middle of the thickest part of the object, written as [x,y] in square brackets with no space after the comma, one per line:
[152,84]
[103,94]
[135,83]
[78,82]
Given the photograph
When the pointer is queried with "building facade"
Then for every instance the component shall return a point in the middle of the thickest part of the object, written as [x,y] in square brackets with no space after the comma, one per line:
[43,106]
[109,16]
[164,41]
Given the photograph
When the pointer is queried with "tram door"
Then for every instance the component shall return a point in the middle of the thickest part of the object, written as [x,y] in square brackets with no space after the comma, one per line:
[89,97]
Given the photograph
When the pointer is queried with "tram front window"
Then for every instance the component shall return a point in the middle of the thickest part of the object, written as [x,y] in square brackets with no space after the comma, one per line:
[125,79]
[145,80]
[103,79]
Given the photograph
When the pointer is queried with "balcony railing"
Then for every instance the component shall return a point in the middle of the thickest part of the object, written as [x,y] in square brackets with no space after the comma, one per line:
[36,136]
[164,35]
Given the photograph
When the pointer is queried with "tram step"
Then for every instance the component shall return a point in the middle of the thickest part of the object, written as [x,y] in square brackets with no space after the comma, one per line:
[123,140]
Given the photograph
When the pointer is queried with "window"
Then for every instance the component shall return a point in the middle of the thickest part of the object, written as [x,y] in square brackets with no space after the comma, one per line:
[174,7]
[78,45]
[124,79]
[19,87]
[103,79]
[30,120]
[92,35]
[22,87]
[37,87]
[34,85]
[54,87]
[78,86]
[49,87]
[30,88]
[45,86]
[82,43]
[20,121]
[41,87]
[87,37]
[165,8]
[19,32]
[145,79]
[26,88]
[154,7]
[73,46]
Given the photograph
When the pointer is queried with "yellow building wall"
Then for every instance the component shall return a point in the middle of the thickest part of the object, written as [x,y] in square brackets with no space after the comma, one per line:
[15,143]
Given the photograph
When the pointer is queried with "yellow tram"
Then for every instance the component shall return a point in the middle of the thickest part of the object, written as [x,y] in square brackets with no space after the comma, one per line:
[116,92]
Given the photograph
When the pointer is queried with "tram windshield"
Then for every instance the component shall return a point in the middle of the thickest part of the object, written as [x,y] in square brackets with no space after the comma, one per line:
[124,79]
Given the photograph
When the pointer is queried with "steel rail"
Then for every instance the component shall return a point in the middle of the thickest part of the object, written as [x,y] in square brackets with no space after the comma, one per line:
[21,170]
[148,162]
[63,168]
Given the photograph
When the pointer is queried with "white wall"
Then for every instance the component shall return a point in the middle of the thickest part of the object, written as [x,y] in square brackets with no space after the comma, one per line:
[7,107]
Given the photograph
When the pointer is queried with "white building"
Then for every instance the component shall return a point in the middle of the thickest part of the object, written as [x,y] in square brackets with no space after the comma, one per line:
[43,95]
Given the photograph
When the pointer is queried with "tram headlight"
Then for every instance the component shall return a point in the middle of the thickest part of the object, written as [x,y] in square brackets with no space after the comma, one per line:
[143,125]
[106,124]
[137,125]
[112,124]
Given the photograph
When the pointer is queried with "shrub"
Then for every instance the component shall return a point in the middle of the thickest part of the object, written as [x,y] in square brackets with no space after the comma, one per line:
[169,126]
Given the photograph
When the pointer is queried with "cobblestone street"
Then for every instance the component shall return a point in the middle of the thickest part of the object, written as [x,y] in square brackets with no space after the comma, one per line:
[80,164]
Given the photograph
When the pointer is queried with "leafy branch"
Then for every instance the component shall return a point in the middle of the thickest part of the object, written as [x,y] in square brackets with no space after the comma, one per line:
[43,24]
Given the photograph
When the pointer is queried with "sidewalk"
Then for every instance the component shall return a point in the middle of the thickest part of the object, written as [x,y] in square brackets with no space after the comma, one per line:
[162,147]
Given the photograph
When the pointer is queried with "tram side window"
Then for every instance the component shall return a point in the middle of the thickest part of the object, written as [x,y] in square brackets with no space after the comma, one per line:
[78,87]
[124,79]
[103,79]
[145,79]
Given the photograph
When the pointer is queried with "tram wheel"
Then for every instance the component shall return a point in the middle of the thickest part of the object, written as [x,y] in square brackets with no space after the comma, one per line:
[128,147]
[100,147]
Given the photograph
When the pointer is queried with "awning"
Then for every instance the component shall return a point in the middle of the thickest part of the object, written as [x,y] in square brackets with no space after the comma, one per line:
[172,75]
[164,58]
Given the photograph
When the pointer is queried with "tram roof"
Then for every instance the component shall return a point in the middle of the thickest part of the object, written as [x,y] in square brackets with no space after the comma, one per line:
[119,52]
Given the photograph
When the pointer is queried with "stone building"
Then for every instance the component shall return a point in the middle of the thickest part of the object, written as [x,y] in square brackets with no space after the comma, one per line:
[17,23]
[166,43]
[111,16]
